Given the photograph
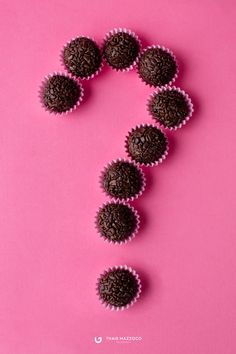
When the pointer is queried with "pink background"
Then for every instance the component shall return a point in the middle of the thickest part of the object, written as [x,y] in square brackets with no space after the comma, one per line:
[50,255]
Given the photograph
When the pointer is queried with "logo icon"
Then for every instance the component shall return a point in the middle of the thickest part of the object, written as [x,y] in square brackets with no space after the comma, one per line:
[98,340]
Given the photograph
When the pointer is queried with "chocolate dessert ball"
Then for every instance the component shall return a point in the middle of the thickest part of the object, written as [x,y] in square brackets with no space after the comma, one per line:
[146,145]
[157,67]
[169,107]
[60,93]
[82,57]
[121,50]
[116,222]
[122,180]
[118,287]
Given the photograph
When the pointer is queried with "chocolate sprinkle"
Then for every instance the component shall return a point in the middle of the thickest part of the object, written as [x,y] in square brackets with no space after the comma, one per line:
[122,180]
[118,287]
[116,222]
[121,50]
[60,93]
[169,107]
[82,57]
[156,67]
[146,144]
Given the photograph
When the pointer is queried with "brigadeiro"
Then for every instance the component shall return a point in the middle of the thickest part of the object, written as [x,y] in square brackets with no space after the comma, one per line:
[60,93]
[121,49]
[118,288]
[82,57]
[171,107]
[147,145]
[157,66]
[123,180]
[117,222]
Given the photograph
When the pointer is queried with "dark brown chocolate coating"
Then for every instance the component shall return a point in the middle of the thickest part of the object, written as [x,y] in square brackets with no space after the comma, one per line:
[82,57]
[121,50]
[118,287]
[122,180]
[169,107]
[156,67]
[60,93]
[116,222]
[146,144]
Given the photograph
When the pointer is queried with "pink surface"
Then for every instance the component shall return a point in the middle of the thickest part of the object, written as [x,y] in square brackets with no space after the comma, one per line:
[50,255]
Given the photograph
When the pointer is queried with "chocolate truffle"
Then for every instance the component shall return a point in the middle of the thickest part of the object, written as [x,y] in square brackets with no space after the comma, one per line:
[116,222]
[146,144]
[169,107]
[82,57]
[156,66]
[60,93]
[118,287]
[122,180]
[121,50]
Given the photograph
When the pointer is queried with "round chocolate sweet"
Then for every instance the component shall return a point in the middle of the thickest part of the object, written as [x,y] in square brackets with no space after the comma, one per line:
[121,50]
[118,287]
[82,57]
[60,93]
[116,222]
[169,107]
[157,67]
[122,180]
[146,144]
